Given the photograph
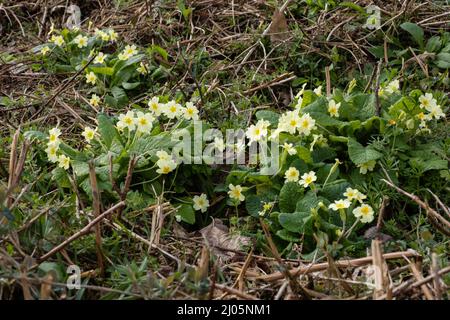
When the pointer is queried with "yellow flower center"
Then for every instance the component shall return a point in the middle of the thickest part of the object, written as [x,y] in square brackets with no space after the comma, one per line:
[128,120]
[364,210]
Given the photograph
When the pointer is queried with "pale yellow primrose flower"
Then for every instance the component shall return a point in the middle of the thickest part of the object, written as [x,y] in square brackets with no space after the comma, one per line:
[427,100]
[267,206]
[256,131]
[307,179]
[163,155]
[89,134]
[393,86]
[368,166]
[143,68]
[289,122]
[81,41]
[340,204]
[172,109]
[58,40]
[128,52]
[236,192]
[63,162]
[365,212]
[53,136]
[102,35]
[289,148]
[51,151]
[94,100]
[307,123]
[45,50]
[219,144]
[318,91]
[100,58]
[190,112]
[333,108]
[127,121]
[201,202]
[351,193]
[166,166]
[154,106]
[435,111]
[112,35]
[144,122]
[354,194]
[291,175]
[91,78]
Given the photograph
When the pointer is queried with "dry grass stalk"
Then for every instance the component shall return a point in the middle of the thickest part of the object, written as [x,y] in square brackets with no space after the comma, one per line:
[340,264]
[85,230]
[96,208]
[380,269]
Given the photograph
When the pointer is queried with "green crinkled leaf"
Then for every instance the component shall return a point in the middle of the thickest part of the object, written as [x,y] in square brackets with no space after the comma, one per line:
[308,202]
[268,115]
[433,44]
[130,85]
[415,31]
[187,213]
[322,154]
[72,153]
[108,71]
[426,165]
[149,145]
[107,130]
[360,154]
[365,103]
[288,236]
[335,190]
[61,178]
[289,195]
[443,60]
[304,154]
[295,222]
[33,134]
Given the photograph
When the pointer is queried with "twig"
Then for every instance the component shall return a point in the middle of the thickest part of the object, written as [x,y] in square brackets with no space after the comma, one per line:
[96,207]
[377,89]
[82,232]
[340,263]
[430,212]
[235,292]
[294,285]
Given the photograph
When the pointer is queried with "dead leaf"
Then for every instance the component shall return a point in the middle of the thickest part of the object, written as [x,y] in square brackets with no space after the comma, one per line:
[373,233]
[216,236]
[278,30]
[201,271]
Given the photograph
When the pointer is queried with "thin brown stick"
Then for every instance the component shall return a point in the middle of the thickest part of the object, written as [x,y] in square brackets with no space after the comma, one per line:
[236,292]
[85,230]
[96,206]
[430,211]
[340,263]
[418,275]
[436,277]
[294,285]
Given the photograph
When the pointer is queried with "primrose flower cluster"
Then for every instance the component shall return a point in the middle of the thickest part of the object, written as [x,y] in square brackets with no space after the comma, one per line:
[430,109]
[90,46]
[52,150]
[364,212]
